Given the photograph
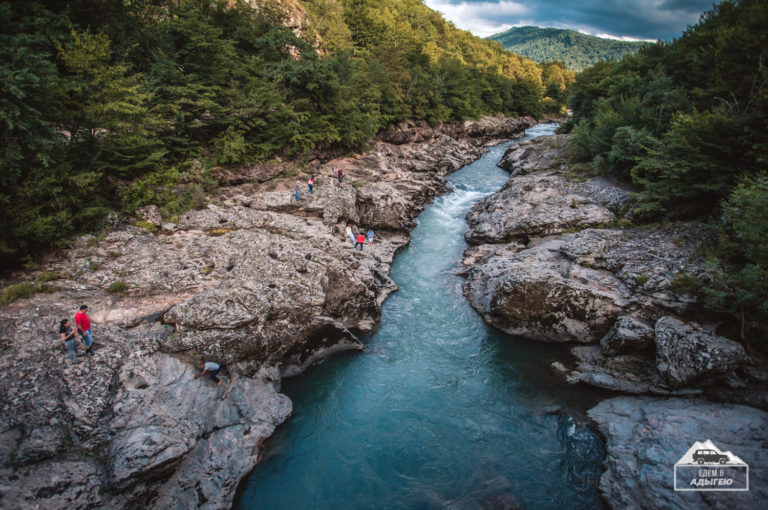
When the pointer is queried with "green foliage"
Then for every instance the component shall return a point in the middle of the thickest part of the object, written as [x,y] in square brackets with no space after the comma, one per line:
[685,283]
[229,147]
[48,276]
[683,120]
[17,291]
[741,285]
[578,51]
[146,225]
[104,104]
[24,290]
[687,122]
[118,287]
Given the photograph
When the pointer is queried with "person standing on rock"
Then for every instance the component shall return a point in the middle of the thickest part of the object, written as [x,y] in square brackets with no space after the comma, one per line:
[370,235]
[340,174]
[84,328]
[349,233]
[311,183]
[298,190]
[68,336]
[211,368]
[360,240]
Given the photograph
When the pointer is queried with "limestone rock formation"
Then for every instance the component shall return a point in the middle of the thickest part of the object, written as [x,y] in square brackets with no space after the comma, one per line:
[528,276]
[539,294]
[647,436]
[257,281]
[686,353]
[626,335]
[545,153]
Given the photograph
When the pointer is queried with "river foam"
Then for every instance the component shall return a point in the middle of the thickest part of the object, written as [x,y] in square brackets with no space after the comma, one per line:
[442,411]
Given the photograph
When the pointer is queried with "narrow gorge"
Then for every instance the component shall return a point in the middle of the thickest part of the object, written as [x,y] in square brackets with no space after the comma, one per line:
[597,366]
[256,281]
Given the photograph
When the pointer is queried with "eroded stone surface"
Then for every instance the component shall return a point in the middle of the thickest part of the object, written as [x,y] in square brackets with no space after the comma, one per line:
[647,436]
[259,282]
[686,353]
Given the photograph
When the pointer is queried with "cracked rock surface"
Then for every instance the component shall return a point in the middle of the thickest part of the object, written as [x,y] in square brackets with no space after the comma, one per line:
[555,258]
[257,281]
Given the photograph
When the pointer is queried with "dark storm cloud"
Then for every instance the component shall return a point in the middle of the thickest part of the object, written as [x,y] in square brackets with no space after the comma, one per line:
[641,19]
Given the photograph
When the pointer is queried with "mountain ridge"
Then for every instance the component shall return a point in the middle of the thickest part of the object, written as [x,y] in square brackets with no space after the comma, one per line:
[577,50]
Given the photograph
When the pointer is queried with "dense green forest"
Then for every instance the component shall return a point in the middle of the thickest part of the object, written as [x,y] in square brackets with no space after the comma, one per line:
[114,104]
[687,123]
[577,50]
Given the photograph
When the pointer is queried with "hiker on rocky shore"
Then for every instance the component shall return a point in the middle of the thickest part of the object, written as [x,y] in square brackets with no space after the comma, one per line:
[69,337]
[360,240]
[210,368]
[370,235]
[84,328]
[298,190]
[311,183]
[350,234]
[340,174]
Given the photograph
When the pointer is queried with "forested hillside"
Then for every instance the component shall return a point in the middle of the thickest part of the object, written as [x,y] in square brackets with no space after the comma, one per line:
[575,49]
[110,104]
[687,122]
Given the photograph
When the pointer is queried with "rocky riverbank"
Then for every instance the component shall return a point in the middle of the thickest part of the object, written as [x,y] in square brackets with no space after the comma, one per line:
[555,258]
[256,280]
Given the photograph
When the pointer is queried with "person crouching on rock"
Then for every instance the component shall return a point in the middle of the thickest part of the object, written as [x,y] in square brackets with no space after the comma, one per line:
[360,240]
[210,368]
[67,333]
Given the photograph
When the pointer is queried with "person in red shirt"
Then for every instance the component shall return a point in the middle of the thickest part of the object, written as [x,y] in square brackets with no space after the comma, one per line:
[360,240]
[84,328]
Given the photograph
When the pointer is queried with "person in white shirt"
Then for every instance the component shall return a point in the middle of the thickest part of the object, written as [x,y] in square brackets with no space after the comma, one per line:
[210,368]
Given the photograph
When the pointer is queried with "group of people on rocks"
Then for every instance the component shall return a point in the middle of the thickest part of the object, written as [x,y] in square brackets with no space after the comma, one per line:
[82,328]
[360,238]
[337,173]
[69,334]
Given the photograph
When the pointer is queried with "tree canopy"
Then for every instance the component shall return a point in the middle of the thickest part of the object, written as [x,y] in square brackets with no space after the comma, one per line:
[687,123]
[578,51]
[113,104]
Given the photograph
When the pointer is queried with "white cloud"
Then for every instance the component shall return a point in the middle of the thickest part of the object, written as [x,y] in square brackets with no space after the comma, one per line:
[620,37]
[480,18]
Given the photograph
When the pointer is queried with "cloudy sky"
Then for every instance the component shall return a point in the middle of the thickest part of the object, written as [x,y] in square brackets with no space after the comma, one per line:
[625,19]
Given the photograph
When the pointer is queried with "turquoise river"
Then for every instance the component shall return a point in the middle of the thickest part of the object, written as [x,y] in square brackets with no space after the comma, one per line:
[440,411]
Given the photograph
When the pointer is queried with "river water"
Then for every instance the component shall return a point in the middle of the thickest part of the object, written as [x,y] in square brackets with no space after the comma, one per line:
[441,411]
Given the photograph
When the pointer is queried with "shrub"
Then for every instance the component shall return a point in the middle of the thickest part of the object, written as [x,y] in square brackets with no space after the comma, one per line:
[685,283]
[118,287]
[11,293]
[146,225]
[48,276]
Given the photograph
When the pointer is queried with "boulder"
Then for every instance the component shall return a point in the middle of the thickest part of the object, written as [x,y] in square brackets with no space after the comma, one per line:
[150,214]
[208,436]
[536,293]
[626,335]
[544,153]
[645,437]
[531,206]
[627,373]
[686,353]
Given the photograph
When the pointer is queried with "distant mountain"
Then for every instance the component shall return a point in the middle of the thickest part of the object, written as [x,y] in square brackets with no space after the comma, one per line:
[577,50]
